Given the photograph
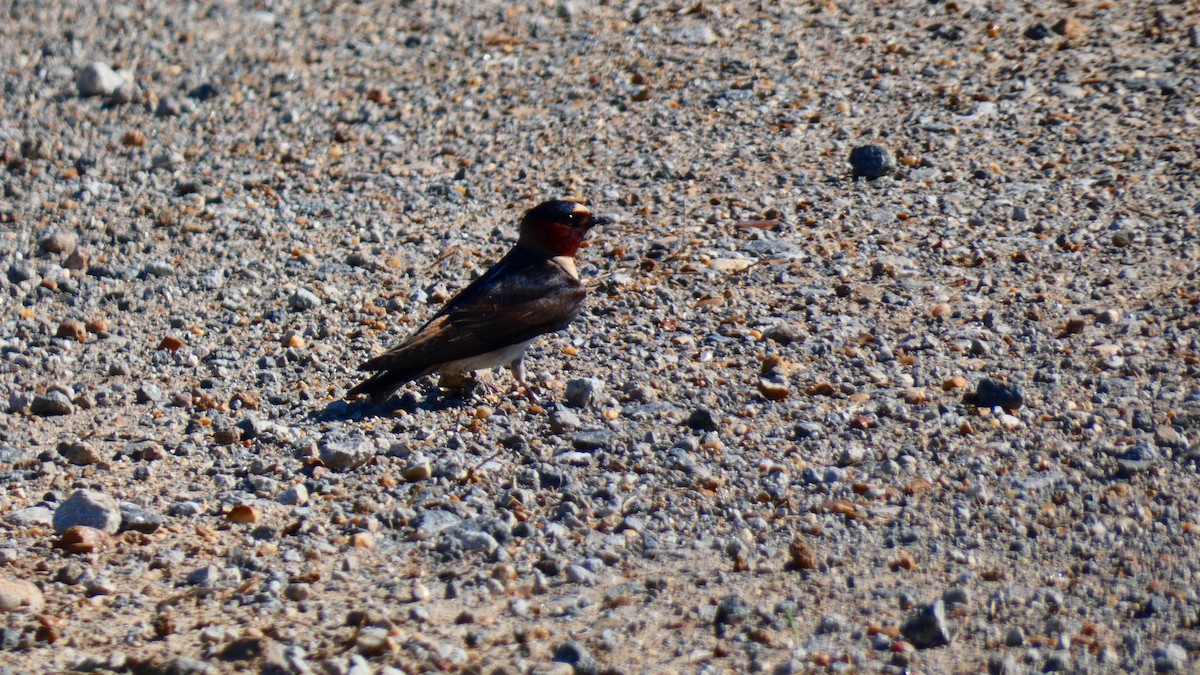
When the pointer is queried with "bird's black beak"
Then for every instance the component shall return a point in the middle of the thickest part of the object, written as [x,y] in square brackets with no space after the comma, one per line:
[599,221]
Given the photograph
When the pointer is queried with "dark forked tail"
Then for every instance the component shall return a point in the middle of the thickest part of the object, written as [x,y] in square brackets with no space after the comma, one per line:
[384,383]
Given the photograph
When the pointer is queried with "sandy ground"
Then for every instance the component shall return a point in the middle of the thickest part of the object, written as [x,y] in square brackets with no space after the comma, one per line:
[940,420]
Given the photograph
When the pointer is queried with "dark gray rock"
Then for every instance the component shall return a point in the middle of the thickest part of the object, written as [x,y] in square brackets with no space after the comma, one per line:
[50,404]
[592,440]
[928,628]
[871,161]
[703,418]
[731,611]
[990,393]
[1038,32]
[138,519]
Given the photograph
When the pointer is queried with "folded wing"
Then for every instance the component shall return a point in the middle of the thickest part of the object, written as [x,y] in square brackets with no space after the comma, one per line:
[521,297]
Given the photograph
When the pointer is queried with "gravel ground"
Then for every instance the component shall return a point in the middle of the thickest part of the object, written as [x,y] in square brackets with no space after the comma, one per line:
[936,410]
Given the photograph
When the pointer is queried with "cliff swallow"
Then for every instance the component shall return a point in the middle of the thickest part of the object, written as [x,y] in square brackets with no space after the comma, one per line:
[534,289]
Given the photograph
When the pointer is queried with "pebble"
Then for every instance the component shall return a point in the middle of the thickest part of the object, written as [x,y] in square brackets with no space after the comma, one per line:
[801,554]
[79,453]
[583,392]
[474,540]
[139,519]
[991,393]
[17,595]
[1171,658]
[166,161]
[73,574]
[127,92]
[1038,31]
[1168,437]
[577,656]
[90,508]
[243,514]
[97,79]
[832,624]
[418,469]
[295,495]
[1003,664]
[303,300]
[78,260]
[852,454]
[928,628]
[149,393]
[21,270]
[577,574]
[563,420]
[592,440]
[372,641]
[50,404]
[956,595]
[31,516]
[1057,661]
[206,576]
[159,268]
[205,91]
[871,161]
[72,329]
[732,610]
[567,10]
[83,539]
[773,388]
[1070,27]
[808,430]
[698,35]
[703,418]
[186,509]
[784,333]
[59,242]
[346,453]
[169,106]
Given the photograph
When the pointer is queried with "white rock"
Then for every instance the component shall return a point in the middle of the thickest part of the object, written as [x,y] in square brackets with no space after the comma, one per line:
[296,495]
[17,596]
[98,79]
[730,264]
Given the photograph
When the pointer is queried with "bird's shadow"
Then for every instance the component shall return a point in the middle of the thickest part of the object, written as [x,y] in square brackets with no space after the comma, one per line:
[436,400]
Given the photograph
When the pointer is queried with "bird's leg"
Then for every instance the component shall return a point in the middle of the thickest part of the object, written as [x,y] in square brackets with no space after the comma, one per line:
[518,371]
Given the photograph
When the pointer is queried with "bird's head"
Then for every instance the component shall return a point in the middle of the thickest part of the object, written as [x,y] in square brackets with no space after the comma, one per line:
[557,227]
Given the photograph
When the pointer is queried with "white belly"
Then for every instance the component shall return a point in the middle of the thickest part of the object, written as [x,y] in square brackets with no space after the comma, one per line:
[492,359]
